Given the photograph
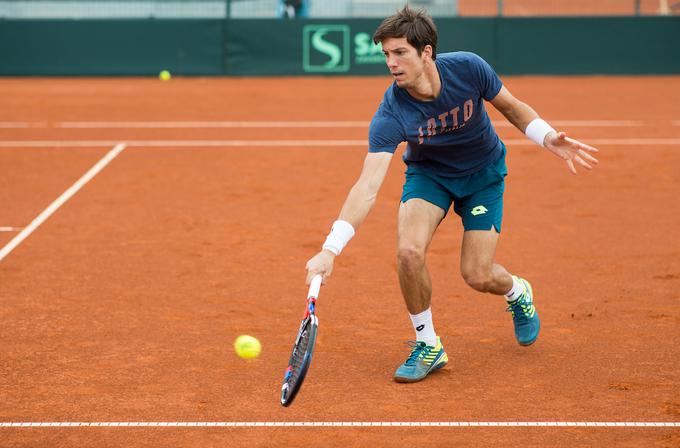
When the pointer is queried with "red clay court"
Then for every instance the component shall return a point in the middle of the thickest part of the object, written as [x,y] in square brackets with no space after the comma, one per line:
[123,304]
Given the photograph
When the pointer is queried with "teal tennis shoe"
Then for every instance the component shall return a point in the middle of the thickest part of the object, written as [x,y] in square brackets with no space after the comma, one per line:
[422,360]
[524,316]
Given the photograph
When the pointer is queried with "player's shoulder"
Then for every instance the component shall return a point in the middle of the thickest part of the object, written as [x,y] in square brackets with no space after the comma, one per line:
[390,101]
[459,57]
[391,94]
[388,111]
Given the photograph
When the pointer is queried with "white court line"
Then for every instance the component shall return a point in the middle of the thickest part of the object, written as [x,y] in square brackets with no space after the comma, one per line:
[14,125]
[297,124]
[284,124]
[208,124]
[65,196]
[338,424]
[597,123]
[9,229]
[184,124]
[178,143]
[293,143]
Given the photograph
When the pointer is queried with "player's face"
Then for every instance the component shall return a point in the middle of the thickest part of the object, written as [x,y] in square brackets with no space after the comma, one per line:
[403,60]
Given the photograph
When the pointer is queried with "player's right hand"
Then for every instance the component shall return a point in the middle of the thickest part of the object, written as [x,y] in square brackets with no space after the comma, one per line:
[321,263]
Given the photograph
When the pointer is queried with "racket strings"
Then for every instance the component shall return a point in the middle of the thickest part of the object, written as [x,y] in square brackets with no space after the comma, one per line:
[298,357]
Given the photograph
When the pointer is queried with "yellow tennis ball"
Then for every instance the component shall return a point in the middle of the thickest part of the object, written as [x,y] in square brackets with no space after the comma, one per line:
[247,347]
[164,75]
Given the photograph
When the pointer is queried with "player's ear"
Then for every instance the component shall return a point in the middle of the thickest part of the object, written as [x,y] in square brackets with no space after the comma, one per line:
[427,52]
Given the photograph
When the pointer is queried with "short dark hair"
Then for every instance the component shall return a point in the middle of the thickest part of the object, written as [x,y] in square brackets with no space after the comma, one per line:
[415,25]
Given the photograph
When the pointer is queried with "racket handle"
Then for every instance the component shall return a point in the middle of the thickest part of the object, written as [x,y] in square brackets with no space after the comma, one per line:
[314,287]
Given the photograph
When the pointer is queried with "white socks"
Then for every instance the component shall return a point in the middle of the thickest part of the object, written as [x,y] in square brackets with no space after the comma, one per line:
[516,290]
[422,323]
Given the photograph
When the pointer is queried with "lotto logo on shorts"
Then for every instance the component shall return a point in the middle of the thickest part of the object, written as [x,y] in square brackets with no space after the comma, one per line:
[479,210]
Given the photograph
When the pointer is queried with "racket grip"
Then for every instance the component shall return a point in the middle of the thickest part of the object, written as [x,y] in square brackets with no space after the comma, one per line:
[314,287]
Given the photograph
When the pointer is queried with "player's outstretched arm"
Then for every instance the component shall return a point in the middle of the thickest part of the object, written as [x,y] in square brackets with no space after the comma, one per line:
[358,204]
[527,120]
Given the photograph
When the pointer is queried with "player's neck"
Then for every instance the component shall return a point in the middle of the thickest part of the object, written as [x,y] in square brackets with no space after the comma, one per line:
[428,85]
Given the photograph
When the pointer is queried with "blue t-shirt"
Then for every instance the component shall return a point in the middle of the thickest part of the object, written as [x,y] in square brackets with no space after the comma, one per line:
[450,136]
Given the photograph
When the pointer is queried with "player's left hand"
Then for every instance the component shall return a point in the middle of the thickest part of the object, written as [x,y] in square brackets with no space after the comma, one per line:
[570,150]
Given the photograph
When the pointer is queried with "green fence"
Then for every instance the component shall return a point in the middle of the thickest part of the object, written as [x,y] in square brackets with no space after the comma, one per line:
[111,47]
[626,45]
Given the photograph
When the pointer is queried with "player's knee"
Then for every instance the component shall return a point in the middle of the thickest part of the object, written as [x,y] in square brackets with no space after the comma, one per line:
[478,279]
[410,258]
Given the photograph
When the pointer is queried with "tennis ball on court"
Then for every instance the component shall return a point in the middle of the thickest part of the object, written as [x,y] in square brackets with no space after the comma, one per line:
[164,75]
[247,347]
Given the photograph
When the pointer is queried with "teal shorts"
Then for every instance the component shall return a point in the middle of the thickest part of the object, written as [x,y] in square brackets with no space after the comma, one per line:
[477,198]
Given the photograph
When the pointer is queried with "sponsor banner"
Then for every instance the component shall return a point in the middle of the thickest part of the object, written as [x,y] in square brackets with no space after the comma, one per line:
[336,48]
[332,47]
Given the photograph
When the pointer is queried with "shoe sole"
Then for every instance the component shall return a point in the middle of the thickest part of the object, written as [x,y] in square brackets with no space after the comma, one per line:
[403,379]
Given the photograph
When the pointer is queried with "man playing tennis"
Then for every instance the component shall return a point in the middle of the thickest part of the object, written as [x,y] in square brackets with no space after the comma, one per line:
[454,155]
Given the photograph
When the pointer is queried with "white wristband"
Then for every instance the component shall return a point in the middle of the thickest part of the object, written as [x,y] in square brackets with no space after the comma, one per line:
[341,233]
[537,130]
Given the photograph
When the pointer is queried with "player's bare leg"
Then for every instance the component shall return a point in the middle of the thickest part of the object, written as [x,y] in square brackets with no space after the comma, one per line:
[477,266]
[418,219]
[482,274]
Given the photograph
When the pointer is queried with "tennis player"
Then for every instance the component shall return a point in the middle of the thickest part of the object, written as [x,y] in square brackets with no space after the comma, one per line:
[453,156]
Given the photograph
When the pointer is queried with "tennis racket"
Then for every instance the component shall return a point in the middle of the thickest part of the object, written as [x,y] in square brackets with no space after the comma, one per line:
[303,348]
